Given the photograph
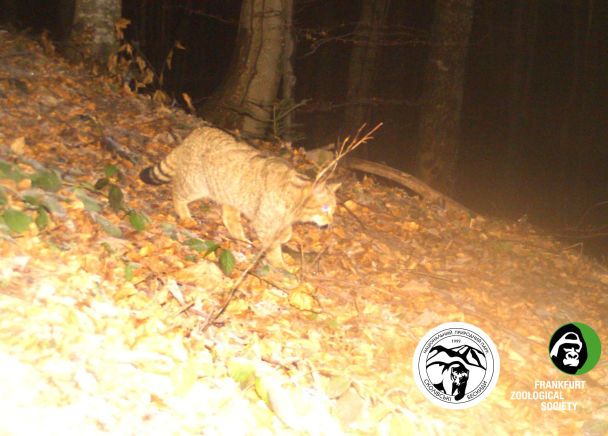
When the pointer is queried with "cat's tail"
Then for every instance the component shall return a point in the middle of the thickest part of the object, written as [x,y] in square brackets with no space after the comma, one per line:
[160,173]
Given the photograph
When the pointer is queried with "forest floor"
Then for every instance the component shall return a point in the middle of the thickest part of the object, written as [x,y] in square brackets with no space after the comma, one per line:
[107,321]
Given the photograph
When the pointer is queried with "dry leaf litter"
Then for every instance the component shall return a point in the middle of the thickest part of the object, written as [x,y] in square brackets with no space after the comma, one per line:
[104,334]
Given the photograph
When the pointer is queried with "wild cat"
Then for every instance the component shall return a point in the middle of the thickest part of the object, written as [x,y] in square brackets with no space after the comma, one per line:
[211,163]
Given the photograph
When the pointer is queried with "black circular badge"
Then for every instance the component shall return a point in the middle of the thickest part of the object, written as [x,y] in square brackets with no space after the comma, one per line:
[575,348]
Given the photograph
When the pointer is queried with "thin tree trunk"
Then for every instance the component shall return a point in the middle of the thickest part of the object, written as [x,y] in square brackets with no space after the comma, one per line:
[288,82]
[363,63]
[442,96]
[93,36]
[245,100]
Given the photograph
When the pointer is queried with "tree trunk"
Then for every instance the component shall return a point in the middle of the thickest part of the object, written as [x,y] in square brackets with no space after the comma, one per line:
[288,82]
[363,61]
[440,112]
[569,146]
[246,98]
[522,51]
[8,12]
[65,17]
[92,36]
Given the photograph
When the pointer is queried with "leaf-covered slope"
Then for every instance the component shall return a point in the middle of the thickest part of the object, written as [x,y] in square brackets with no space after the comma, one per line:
[101,326]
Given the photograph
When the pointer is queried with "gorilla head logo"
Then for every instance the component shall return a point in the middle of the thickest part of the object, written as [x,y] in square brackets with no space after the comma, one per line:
[567,349]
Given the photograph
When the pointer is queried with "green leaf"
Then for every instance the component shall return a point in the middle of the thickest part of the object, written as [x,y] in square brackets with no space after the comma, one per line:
[3,199]
[5,167]
[137,220]
[10,171]
[47,180]
[201,246]
[110,170]
[37,197]
[107,247]
[101,183]
[89,203]
[107,226]
[16,220]
[261,390]
[129,271]
[242,372]
[116,198]
[227,261]
[42,218]
[34,200]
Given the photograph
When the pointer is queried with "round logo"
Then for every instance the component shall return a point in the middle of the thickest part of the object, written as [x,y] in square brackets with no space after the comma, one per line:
[456,365]
[575,348]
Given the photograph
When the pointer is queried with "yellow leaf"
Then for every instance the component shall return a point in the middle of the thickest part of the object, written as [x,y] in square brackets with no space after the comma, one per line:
[428,266]
[18,145]
[349,407]
[126,290]
[237,306]
[379,412]
[184,377]
[160,96]
[188,101]
[122,23]
[204,273]
[336,386]
[351,205]
[141,63]
[145,250]
[401,425]
[24,184]
[148,77]
[301,300]
[513,355]
[169,60]
[410,226]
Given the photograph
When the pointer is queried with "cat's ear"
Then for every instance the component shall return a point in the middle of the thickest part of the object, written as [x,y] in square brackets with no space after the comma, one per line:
[333,187]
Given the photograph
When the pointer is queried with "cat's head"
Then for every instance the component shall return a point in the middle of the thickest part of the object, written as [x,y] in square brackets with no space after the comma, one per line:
[320,204]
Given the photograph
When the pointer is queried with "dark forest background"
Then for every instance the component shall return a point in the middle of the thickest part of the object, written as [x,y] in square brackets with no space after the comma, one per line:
[535,118]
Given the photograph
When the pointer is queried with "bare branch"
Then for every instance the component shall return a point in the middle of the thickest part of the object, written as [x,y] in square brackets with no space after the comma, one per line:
[347,146]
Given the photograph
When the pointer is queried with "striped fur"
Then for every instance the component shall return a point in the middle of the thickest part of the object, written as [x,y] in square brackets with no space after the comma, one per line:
[210,163]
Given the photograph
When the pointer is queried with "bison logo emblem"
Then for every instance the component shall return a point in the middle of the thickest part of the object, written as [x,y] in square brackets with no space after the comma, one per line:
[456,365]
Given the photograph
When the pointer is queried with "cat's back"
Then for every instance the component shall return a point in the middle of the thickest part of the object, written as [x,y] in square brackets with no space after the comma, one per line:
[230,170]
[210,141]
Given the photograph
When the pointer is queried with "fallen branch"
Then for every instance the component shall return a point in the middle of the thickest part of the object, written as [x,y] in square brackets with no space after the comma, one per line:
[406,180]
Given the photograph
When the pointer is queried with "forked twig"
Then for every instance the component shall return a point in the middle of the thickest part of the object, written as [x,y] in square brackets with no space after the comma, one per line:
[347,146]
